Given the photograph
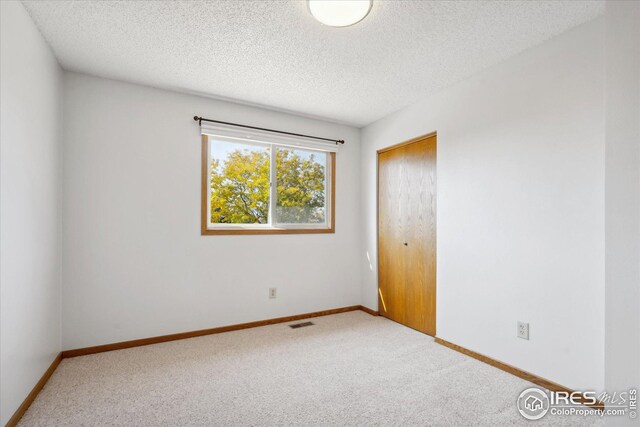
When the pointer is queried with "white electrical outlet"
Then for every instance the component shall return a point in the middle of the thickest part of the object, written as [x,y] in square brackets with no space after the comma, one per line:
[272,293]
[523,330]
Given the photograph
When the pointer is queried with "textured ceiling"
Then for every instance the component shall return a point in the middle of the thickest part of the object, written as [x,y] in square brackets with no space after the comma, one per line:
[275,54]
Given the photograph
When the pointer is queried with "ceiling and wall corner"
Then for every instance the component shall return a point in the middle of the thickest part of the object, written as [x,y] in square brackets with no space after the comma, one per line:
[276,54]
[520,218]
[352,75]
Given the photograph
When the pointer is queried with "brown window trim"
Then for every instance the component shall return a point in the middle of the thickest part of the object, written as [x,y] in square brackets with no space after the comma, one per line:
[228,231]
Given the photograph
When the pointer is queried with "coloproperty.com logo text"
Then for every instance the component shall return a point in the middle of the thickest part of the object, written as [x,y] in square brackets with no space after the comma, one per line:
[534,403]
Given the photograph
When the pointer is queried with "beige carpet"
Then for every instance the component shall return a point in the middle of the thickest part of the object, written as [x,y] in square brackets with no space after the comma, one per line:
[347,369]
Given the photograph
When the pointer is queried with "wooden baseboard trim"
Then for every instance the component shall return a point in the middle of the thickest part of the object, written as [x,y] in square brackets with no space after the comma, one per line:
[192,334]
[369,311]
[13,421]
[542,382]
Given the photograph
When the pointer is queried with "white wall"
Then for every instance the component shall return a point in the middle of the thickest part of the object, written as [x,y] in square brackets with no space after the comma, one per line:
[521,212]
[520,207]
[30,98]
[622,185]
[134,262]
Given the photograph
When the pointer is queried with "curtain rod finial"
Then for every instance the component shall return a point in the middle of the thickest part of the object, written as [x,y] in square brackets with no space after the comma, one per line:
[202,119]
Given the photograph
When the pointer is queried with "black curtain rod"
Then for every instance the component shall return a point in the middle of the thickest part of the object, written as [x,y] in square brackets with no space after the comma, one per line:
[201,119]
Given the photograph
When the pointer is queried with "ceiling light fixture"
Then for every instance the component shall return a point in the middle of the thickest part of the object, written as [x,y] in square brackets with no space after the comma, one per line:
[339,13]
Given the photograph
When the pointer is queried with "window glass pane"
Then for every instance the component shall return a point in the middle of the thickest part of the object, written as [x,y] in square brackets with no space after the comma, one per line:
[301,186]
[239,183]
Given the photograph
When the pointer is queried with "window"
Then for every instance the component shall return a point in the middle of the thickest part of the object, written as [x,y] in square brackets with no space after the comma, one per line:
[255,187]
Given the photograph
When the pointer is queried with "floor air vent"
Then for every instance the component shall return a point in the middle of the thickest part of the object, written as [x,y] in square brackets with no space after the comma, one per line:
[301,325]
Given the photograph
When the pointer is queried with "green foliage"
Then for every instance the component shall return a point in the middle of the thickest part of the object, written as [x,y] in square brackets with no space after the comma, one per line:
[240,188]
[301,188]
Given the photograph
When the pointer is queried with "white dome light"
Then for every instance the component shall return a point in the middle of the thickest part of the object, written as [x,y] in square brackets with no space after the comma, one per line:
[339,13]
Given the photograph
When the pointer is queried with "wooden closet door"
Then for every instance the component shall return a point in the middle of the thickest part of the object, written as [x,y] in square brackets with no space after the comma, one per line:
[407,234]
